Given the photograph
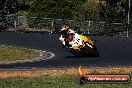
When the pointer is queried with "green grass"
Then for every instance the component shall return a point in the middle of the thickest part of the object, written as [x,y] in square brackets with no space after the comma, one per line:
[11,53]
[64,81]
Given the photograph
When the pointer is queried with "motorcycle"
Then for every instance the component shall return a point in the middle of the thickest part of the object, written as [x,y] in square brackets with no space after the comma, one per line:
[79,45]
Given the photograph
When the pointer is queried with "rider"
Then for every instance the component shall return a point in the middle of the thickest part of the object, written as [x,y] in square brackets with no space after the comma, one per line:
[70,37]
[67,33]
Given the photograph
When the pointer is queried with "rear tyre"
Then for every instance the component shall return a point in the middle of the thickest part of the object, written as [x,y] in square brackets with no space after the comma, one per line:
[91,51]
[75,53]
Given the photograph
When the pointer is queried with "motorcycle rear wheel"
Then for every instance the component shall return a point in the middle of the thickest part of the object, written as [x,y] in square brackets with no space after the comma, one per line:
[90,51]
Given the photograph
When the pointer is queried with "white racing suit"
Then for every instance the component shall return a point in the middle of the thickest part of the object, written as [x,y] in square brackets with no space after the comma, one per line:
[75,42]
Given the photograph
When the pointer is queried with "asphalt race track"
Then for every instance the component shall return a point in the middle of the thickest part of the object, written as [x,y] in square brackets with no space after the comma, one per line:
[113,51]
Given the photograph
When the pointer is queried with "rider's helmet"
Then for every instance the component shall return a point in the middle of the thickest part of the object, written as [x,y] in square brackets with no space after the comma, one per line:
[67,32]
[64,29]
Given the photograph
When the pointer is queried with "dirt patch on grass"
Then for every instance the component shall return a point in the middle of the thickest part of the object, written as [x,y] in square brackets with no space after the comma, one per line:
[63,71]
[36,72]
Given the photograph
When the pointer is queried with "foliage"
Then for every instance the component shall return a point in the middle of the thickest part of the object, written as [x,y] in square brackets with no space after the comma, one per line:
[8,6]
[89,10]
[70,9]
[113,11]
[65,9]
[78,10]
[110,11]
[54,8]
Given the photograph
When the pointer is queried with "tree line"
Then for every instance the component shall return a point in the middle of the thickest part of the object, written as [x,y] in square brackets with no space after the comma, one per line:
[94,10]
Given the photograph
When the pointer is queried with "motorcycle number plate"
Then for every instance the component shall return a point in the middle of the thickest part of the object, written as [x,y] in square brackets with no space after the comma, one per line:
[76,42]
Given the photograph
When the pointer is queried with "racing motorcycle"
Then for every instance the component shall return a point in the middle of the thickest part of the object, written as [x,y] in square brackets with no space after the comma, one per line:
[79,45]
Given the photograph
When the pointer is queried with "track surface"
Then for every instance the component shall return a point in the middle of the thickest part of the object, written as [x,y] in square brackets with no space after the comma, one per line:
[114,51]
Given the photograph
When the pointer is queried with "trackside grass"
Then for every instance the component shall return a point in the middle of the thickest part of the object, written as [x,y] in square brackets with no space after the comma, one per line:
[11,53]
[63,81]
[59,78]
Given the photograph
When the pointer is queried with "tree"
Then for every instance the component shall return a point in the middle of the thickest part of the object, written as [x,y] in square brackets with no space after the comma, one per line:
[116,11]
[102,11]
[7,7]
[54,8]
[113,11]
[89,10]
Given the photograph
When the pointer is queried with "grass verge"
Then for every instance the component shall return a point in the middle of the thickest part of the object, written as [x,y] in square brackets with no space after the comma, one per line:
[59,78]
[11,53]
